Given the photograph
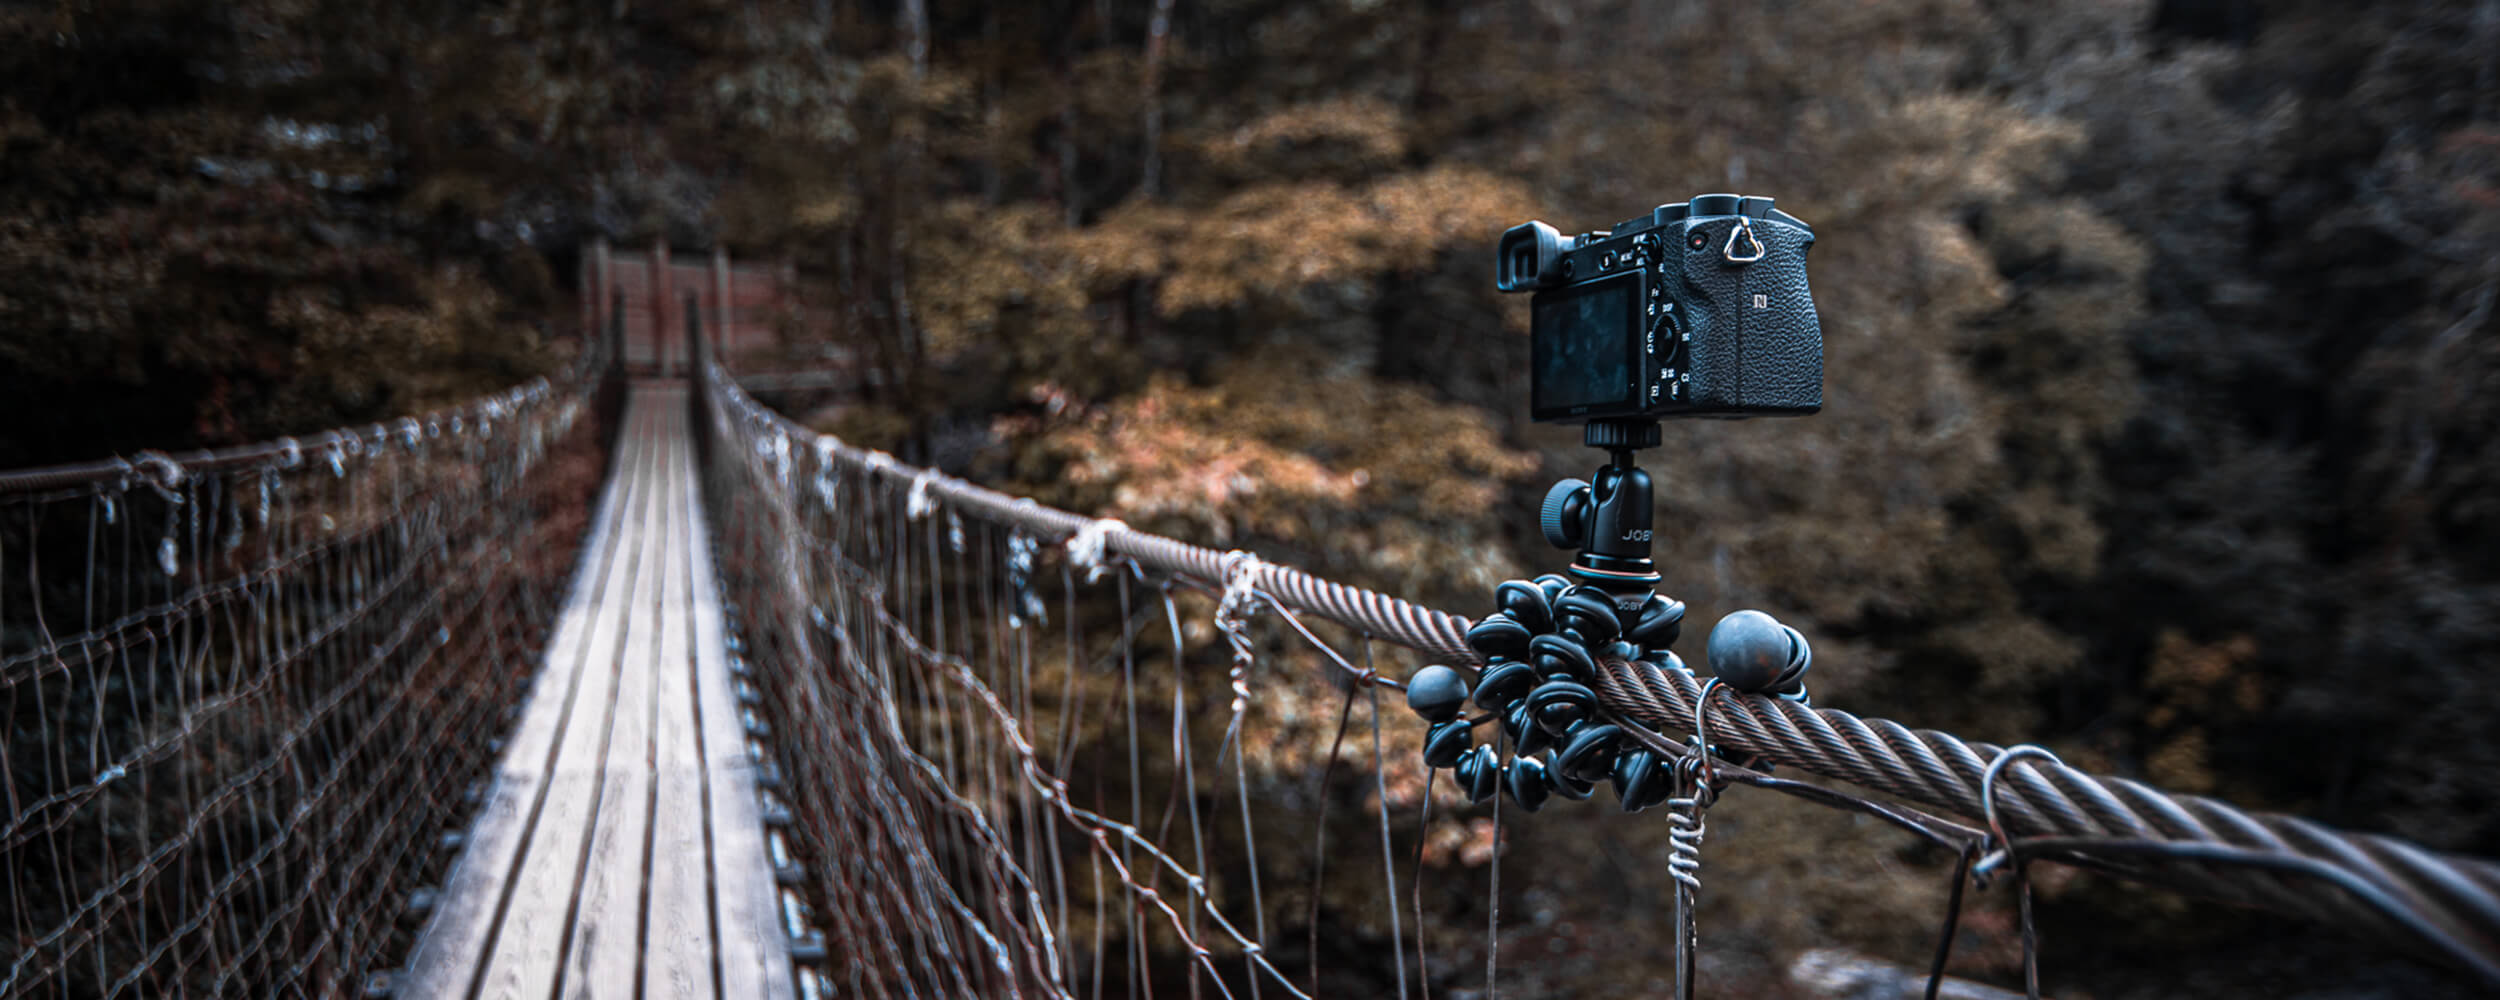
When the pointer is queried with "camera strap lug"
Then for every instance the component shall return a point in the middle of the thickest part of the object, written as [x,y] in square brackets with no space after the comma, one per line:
[1743,227]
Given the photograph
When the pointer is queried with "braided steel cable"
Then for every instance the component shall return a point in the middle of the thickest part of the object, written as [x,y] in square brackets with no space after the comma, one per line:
[2456,898]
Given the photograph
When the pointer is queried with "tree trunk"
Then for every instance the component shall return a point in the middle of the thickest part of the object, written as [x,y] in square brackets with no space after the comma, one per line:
[905,173]
[992,124]
[1072,197]
[915,16]
[1157,31]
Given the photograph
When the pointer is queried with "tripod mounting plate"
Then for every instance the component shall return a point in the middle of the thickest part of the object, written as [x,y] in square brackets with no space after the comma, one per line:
[1620,435]
[1607,518]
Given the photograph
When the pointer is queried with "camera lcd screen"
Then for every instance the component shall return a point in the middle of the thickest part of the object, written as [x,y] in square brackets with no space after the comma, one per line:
[1582,346]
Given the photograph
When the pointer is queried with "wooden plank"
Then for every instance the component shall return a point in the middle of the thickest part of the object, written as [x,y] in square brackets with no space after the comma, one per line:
[448,953]
[754,951]
[623,845]
[527,953]
[678,960]
[607,933]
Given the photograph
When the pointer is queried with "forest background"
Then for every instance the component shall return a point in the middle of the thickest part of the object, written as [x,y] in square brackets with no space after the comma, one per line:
[2159,337]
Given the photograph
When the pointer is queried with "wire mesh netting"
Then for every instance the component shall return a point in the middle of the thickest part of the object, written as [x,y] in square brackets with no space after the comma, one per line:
[247,691]
[1018,773]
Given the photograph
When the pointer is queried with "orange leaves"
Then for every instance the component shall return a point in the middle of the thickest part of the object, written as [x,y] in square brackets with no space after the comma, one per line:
[1272,239]
[1370,475]
[2193,685]
[1337,136]
[1167,455]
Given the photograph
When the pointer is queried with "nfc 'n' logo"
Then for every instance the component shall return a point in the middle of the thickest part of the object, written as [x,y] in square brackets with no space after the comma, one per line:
[1761,301]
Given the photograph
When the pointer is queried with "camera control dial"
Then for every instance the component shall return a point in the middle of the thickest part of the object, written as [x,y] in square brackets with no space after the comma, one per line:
[1565,514]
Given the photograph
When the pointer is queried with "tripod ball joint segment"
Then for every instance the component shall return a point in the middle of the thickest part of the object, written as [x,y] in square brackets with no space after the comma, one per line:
[1541,653]
[1544,645]
[1753,652]
[1608,518]
[1543,650]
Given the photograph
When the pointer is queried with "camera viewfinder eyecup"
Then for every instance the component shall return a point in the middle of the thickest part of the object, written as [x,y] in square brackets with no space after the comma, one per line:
[1528,258]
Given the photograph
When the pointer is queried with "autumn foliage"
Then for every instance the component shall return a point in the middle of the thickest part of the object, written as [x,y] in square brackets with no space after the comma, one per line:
[2159,335]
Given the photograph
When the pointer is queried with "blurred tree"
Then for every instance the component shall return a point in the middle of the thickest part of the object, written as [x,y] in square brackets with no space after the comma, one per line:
[2304,483]
[194,258]
[2158,332]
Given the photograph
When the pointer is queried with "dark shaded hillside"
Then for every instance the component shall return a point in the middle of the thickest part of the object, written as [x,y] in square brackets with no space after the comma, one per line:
[2308,482]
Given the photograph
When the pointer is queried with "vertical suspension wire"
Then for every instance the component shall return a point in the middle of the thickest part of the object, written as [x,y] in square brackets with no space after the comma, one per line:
[941,925]
[952,869]
[1188,771]
[1027,813]
[1094,861]
[855,902]
[927,935]
[974,873]
[1008,873]
[979,638]
[1423,839]
[1136,791]
[936,726]
[929,589]
[1234,622]
[1493,893]
[1388,857]
[940,873]
[876,863]
[19,929]
[860,899]
[1066,739]
[935,842]
[1319,827]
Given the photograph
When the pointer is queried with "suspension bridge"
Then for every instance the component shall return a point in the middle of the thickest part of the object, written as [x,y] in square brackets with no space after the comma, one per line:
[375,713]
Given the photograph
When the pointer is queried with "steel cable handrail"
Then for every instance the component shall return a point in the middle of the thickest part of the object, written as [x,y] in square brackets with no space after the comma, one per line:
[2456,898]
[457,419]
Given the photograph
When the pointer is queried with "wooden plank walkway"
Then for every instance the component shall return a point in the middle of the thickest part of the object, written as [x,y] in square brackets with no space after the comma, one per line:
[620,851]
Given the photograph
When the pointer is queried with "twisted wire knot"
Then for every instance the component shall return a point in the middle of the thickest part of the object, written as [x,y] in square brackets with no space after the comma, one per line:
[163,473]
[1687,824]
[1232,614]
[917,504]
[1091,543]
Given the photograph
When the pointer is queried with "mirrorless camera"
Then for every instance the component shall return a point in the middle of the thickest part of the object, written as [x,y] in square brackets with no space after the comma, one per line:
[1698,309]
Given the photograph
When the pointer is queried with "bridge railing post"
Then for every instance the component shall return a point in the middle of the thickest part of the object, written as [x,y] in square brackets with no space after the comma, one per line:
[694,333]
[662,271]
[616,333]
[724,300]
